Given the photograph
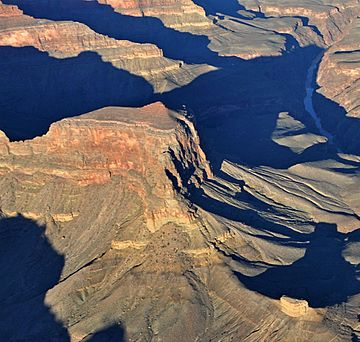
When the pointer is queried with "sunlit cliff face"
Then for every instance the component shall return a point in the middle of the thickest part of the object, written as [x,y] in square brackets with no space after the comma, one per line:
[179,170]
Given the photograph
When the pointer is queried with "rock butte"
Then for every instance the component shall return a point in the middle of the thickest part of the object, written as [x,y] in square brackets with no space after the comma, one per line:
[95,147]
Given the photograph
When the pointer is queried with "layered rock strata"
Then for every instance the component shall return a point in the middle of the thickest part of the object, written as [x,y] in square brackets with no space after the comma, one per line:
[329,17]
[294,307]
[110,191]
[109,143]
[180,15]
[146,238]
[64,39]
[339,72]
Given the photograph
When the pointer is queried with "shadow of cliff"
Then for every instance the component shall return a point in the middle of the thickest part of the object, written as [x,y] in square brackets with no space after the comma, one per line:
[145,29]
[236,109]
[345,129]
[231,8]
[250,217]
[29,268]
[322,277]
[37,90]
[236,106]
[114,333]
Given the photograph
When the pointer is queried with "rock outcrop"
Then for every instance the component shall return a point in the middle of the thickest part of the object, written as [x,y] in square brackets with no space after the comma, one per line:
[180,15]
[294,307]
[339,71]
[112,220]
[64,39]
[329,17]
[109,143]
[303,187]
[9,11]
[111,189]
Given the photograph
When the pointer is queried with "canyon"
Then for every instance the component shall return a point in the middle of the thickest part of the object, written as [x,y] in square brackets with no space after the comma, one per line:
[179,170]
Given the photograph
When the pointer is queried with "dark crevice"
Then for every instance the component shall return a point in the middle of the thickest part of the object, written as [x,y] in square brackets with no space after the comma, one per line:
[88,264]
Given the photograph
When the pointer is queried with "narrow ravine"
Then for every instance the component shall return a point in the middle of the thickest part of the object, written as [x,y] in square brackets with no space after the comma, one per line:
[308,100]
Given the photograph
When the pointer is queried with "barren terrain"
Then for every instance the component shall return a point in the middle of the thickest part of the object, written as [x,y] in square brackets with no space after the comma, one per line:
[179,170]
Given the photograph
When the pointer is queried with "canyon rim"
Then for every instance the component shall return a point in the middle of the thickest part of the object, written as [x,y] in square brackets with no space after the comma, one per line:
[179,170]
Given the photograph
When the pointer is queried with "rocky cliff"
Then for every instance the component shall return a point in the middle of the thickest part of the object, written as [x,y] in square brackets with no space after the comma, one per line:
[9,11]
[64,39]
[109,143]
[180,15]
[127,199]
[232,219]
[329,17]
[339,73]
[115,171]
[337,98]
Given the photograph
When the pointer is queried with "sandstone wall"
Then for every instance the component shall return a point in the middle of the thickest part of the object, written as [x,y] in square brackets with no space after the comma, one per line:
[339,71]
[180,15]
[94,148]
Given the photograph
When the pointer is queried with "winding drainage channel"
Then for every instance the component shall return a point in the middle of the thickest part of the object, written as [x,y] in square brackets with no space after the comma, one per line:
[308,100]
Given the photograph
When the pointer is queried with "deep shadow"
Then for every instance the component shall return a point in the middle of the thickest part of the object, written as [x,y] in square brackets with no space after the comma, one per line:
[214,7]
[333,117]
[37,90]
[267,229]
[231,8]
[114,333]
[29,268]
[235,106]
[103,19]
[322,277]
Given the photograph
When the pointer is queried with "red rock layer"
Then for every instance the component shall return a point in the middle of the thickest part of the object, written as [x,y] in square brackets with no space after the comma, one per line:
[9,11]
[138,145]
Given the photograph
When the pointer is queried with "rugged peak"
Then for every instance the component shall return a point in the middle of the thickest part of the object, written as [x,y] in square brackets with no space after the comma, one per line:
[9,11]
